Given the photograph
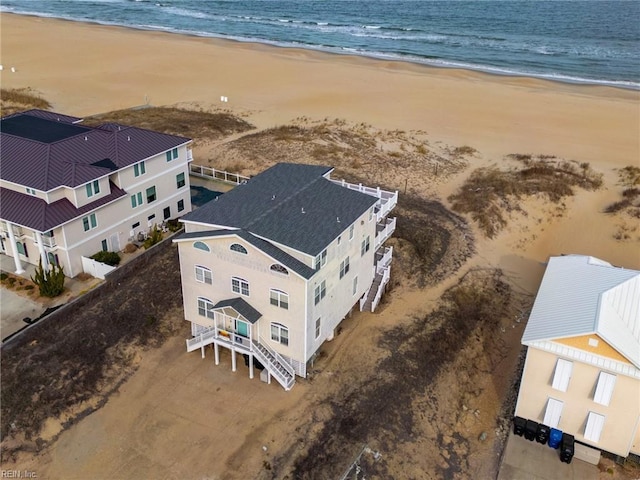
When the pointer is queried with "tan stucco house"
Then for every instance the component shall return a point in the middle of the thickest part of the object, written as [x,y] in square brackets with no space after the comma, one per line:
[582,370]
[270,268]
[68,190]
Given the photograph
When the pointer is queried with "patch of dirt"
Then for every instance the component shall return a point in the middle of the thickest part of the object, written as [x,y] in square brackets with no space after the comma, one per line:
[53,369]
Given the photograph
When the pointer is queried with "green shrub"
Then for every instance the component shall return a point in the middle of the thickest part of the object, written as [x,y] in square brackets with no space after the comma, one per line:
[155,237]
[3,276]
[109,258]
[50,282]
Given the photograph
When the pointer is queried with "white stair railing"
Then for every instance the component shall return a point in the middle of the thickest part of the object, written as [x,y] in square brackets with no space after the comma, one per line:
[202,339]
[385,279]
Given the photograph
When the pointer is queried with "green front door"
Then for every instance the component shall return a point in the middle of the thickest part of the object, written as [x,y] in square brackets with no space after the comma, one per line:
[242,328]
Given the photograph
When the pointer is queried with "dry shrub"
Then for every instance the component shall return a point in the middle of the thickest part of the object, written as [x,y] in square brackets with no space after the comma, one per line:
[489,192]
[176,121]
[16,100]
[464,150]
[629,176]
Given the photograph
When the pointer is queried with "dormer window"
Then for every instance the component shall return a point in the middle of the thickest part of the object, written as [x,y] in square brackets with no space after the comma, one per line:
[93,188]
[236,247]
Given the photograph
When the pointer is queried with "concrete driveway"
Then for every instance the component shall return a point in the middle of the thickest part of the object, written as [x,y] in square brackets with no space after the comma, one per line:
[529,460]
[13,308]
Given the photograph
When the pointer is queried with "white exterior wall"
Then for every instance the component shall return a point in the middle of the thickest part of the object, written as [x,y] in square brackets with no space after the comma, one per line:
[340,299]
[116,219]
[255,269]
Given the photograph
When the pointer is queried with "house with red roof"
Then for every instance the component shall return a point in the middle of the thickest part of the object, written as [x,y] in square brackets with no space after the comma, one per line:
[68,190]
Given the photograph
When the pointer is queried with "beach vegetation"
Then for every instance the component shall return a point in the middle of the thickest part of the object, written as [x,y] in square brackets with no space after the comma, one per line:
[464,151]
[489,194]
[176,121]
[629,176]
[14,100]
[50,281]
[108,258]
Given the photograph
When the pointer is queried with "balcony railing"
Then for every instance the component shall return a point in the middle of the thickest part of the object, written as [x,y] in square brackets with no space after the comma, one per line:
[49,242]
[385,232]
[383,259]
[17,231]
[386,200]
[213,174]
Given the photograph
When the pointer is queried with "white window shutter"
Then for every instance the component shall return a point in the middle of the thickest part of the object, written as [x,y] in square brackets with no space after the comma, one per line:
[604,389]
[562,375]
[592,431]
[553,413]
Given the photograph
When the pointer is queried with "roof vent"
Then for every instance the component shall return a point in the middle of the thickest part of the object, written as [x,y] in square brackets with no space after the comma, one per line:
[85,138]
[338,219]
[273,197]
[302,210]
[128,138]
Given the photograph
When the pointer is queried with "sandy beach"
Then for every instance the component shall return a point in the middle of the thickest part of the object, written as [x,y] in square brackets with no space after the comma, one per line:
[86,69]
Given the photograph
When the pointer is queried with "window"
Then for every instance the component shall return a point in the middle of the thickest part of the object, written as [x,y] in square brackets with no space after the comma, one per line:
[201,246]
[53,259]
[172,154]
[166,213]
[31,191]
[151,194]
[180,205]
[351,229]
[238,285]
[355,285]
[135,225]
[320,292]
[22,248]
[364,248]
[139,169]
[318,327]
[279,299]
[279,269]
[180,180]
[89,222]
[562,375]
[236,247]
[136,200]
[593,429]
[203,275]
[321,259]
[104,245]
[93,188]
[279,333]
[205,307]
[344,267]
[339,239]
[553,413]
[604,389]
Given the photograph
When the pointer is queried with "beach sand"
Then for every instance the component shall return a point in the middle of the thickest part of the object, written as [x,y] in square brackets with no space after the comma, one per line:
[85,69]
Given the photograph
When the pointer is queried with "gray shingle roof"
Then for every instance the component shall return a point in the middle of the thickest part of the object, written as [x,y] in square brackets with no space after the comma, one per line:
[274,252]
[35,213]
[581,295]
[242,307]
[290,204]
[75,159]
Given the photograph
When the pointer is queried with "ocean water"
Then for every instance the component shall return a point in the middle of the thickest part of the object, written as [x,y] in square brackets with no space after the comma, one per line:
[584,41]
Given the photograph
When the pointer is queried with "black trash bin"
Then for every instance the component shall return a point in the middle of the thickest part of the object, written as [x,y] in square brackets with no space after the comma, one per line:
[530,430]
[542,435]
[518,425]
[566,448]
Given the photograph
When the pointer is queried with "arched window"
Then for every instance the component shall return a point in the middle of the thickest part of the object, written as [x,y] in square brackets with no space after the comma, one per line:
[201,246]
[236,247]
[276,267]
[280,333]
[205,307]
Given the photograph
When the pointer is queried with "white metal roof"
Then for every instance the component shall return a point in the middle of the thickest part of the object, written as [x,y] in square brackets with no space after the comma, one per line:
[581,295]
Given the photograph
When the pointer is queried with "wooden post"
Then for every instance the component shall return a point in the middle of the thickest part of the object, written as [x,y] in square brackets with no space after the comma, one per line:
[251,365]
[216,351]
[233,359]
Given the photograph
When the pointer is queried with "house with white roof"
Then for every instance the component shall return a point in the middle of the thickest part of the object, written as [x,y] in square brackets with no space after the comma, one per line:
[68,190]
[582,370]
[271,268]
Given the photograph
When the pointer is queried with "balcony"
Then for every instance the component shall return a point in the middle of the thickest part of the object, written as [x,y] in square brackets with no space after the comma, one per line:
[17,231]
[47,241]
[384,230]
[386,200]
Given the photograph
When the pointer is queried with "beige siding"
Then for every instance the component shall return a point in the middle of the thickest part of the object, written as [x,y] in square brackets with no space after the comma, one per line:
[255,269]
[620,425]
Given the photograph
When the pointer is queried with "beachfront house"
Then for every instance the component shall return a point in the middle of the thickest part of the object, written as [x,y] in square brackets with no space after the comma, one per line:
[582,370]
[271,268]
[68,190]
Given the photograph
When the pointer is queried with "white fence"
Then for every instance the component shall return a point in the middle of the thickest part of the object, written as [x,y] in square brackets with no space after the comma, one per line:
[219,175]
[95,269]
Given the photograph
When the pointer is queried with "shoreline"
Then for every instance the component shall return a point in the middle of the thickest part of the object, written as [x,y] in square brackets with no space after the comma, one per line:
[374,56]
[497,115]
